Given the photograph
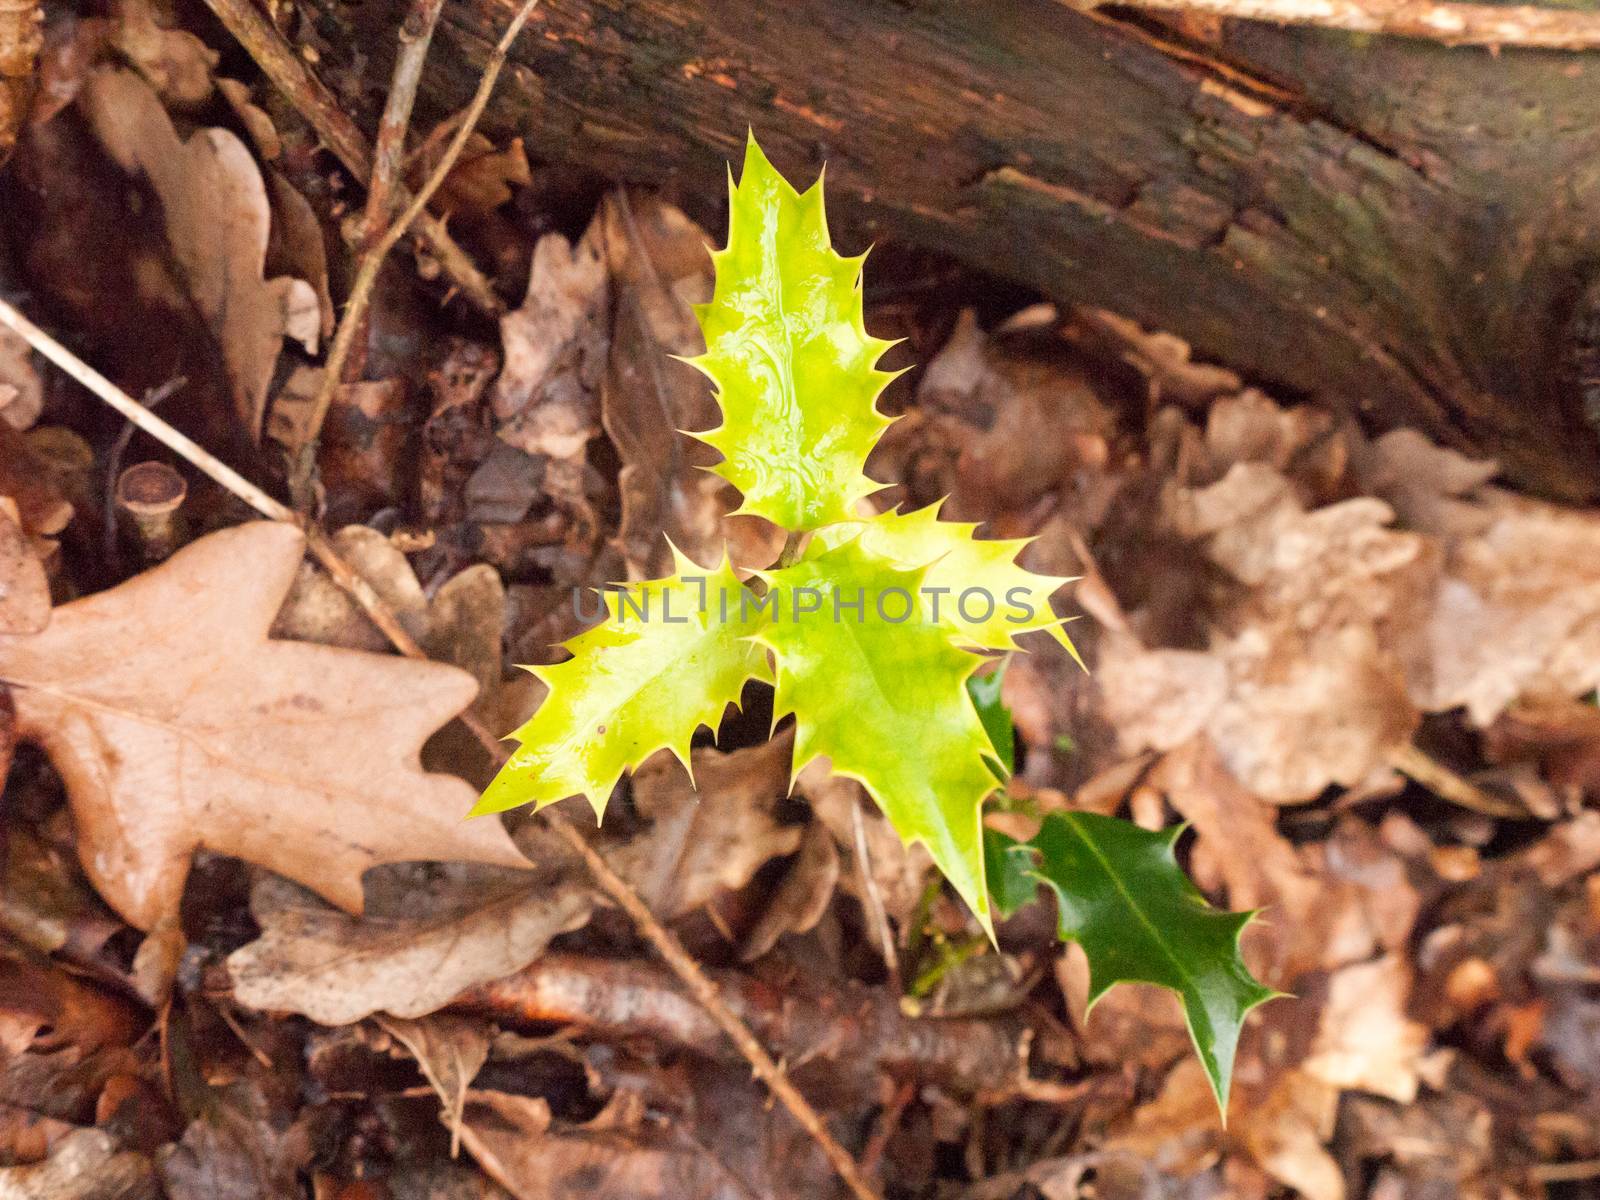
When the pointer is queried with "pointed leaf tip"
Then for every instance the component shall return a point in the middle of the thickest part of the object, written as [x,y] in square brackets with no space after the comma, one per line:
[671,656]
[788,352]
[1124,899]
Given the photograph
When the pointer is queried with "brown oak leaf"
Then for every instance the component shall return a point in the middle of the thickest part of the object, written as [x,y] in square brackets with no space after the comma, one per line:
[178,724]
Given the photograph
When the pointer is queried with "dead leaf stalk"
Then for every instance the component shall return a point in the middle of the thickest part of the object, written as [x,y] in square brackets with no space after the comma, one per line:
[666,944]
[318,105]
[372,261]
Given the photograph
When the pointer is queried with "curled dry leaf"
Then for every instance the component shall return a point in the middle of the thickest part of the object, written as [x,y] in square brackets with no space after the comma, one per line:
[797,904]
[428,934]
[295,245]
[481,180]
[989,397]
[547,397]
[1165,360]
[1366,1042]
[214,203]
[177,724]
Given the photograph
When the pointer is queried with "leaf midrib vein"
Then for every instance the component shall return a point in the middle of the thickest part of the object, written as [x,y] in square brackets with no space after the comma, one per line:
[1116,882]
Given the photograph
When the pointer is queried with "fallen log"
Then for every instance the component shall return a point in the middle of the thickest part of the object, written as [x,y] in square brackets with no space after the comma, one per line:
[1402,228]
[848,1034]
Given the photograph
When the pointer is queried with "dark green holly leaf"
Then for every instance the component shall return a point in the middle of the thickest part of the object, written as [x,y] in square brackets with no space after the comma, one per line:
[996,717]
[1009,867]
[1139,919]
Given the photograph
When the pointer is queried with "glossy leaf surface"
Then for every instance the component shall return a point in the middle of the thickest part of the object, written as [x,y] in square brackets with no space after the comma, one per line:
[669,658]
[975,587]
[1124,899]
[793,364]
[996,717]
[886,701]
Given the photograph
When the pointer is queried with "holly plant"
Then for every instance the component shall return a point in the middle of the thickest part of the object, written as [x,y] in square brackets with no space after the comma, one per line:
[869,627]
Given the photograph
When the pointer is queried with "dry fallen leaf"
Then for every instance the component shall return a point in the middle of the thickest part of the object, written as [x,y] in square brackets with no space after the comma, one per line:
[214,202]
[21,391]
[481,180]
[240,1146]
[798,902]
[177,725]
[547,397]
[1366,1042]
[660,264]
[895,872]
[428,934]
[450,1051]
[174,62]
[1517,612]
[1303,685]
[623,1155]
[710,835]
[24,587]
[1314,920]
[992,395]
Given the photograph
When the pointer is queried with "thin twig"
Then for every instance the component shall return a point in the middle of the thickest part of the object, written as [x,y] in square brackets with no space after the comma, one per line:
[1566,1172]
[143,417]
[667,945]
[388,157]
[1447,785]
[372,261]
[702,989]
[388,152]
[317,104]
[1436,20]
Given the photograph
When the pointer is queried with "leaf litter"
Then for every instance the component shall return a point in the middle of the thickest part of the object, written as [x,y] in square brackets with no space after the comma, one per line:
[1289,617]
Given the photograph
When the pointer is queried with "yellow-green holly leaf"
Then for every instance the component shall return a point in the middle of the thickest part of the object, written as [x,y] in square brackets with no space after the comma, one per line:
[670,656]
[1139,919]
[881,690]
[976,587]
[795,369]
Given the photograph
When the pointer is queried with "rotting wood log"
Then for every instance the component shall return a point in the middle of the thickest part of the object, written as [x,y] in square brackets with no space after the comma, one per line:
[848,1034]
[1401,228]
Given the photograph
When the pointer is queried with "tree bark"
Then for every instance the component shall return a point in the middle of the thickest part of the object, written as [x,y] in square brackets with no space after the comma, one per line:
[1404,229]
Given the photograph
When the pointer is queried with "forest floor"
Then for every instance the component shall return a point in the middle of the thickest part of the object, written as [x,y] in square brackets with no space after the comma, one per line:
[1359,669]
